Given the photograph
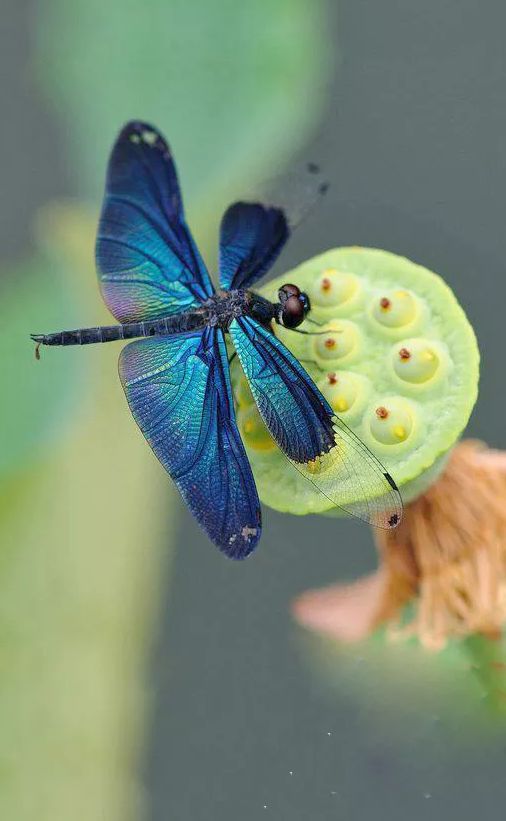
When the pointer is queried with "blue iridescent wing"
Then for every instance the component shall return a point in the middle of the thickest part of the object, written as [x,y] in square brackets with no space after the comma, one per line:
[251,237]
[178,389]
[148,264]
[306,429]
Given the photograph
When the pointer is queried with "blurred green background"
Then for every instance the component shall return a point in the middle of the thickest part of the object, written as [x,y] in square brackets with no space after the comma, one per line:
[141,674]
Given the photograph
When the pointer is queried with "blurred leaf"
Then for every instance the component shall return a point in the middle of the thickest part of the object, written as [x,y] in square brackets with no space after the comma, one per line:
[235,86]
[84,552]
[79,588]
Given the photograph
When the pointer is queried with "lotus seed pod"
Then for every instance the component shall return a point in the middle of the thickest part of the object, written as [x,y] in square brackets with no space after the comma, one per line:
[399,365]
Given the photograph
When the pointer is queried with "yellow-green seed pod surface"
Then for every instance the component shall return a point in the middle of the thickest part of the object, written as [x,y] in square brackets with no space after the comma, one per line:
[399,365]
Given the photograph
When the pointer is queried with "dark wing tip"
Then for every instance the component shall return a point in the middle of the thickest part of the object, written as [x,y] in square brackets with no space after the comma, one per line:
[136,127]
[392,514]
[245,207]
[242,544]
[252,235]
[140,132]
[390,481]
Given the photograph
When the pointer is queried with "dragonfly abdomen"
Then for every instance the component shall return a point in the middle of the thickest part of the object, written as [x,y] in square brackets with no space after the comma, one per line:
[179,323]
[80,336]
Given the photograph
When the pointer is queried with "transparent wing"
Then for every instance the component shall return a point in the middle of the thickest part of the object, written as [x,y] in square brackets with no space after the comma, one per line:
[306,429]
[148,264]
[179,392]
[251,237]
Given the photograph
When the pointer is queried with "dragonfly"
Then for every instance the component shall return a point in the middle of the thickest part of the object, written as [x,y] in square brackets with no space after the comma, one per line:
[176,374]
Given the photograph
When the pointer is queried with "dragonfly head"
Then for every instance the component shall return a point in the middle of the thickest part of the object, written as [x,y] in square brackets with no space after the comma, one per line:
[293,306]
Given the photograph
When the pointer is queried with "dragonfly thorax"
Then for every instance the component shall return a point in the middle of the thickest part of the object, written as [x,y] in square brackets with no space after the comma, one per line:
[225,306]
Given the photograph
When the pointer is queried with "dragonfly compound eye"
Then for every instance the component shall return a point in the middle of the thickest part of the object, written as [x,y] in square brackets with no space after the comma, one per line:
[293,312]
[306,304]
[286,291]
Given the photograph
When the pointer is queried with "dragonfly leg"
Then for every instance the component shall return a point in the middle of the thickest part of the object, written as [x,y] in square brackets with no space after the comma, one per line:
[308,333]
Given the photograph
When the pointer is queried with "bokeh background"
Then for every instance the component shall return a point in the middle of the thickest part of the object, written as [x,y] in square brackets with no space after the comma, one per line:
[142,675]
